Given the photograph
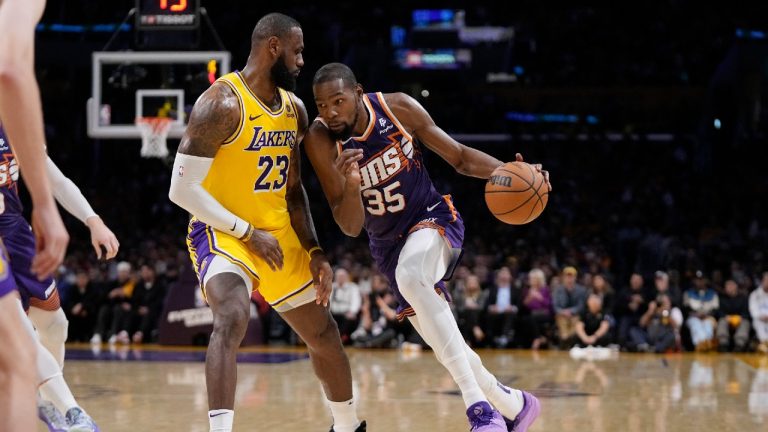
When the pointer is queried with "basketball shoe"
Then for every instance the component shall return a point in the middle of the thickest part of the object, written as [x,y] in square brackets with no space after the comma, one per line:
[80,421]
[524,420]
[360,428]
[52,417]
[483,418]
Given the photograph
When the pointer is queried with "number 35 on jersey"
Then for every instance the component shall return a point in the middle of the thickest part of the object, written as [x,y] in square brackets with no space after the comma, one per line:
[379,169]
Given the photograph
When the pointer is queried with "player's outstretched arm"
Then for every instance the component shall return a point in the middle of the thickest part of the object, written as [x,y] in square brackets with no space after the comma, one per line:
[71,198]
[22,117]
[466,160]
[301,217]
[339,177]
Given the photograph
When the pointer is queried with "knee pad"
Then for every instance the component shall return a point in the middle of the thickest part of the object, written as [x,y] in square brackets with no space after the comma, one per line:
[52,328]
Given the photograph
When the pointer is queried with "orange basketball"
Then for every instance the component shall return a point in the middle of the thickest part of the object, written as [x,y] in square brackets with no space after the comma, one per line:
[516,193]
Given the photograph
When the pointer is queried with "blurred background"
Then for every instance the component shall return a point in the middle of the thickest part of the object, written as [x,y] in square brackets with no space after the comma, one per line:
[649,120]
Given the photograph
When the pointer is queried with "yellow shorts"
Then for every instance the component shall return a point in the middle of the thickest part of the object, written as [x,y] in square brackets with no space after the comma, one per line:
[283,289]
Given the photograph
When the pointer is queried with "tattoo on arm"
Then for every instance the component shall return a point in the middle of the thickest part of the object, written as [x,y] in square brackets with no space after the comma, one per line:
[214,118]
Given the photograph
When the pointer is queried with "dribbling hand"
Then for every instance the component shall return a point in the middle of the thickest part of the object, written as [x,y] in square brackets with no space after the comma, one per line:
[538,167]
[266,247]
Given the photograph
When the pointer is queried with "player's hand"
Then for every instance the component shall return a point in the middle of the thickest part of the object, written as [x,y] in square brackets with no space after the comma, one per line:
[51,240]
[322,277]
[101,235]
[539,168]
[266,247]
[346,164]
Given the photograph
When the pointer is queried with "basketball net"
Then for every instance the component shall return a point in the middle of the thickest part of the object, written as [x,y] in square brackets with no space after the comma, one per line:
[154,131]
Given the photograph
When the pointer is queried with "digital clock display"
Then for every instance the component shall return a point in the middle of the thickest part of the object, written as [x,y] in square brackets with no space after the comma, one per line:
[167,14]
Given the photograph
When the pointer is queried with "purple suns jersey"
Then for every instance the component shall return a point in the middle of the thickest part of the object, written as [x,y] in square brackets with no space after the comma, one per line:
[396,188]
[10,204]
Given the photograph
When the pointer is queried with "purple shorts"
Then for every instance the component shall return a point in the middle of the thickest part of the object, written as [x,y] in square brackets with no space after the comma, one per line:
[20,247]
[446,220]
[7,283]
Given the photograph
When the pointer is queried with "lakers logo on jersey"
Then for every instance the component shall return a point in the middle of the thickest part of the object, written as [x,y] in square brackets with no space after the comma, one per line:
[264,138]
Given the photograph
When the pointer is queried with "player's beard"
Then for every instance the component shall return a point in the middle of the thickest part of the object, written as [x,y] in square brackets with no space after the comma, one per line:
[282,76]
[345,133]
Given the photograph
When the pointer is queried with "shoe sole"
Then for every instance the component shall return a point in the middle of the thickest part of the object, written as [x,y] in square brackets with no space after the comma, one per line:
[84,429]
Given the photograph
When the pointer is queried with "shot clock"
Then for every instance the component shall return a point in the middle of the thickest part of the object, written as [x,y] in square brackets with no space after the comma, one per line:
[167,14]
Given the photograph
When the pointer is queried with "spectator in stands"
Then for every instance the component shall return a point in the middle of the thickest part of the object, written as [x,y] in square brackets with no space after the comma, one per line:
[345,304]
[470,307]
[702,304]
[630,307]
[81,308]
[602,288]
[733,326]
[569,301]
[758,308]
[593,327]
[115,310]
[379,326]
[663,287]
[659,327]
[502,309]
[146,304]
[537,302]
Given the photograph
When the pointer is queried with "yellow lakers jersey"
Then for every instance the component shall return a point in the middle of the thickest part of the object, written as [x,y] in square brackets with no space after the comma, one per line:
[250,171]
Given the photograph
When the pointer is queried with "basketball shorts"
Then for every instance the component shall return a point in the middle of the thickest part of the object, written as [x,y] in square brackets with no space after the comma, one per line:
[20,247]
[214,252]
[7,283]
[446,220]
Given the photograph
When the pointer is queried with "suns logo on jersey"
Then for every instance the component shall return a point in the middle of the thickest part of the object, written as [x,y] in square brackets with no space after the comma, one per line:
[9,172]
[280,138]
[387,163]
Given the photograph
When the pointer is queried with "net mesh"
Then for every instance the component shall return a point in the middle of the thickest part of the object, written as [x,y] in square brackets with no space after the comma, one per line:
[154,132]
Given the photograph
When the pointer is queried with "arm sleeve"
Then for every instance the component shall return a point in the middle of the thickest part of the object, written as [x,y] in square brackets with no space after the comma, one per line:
[188,193]
[67,193]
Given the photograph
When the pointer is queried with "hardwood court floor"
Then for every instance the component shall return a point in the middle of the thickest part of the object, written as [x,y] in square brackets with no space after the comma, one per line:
[130,390]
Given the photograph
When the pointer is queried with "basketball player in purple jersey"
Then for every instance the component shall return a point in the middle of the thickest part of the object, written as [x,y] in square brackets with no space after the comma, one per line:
[366,150]
[20,109]
[40,297]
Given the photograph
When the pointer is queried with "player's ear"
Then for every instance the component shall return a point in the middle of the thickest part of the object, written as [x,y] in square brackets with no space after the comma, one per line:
[359,89]
[273,43]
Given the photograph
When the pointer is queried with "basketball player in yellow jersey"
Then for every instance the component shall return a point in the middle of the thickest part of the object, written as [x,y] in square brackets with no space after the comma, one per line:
[237,172]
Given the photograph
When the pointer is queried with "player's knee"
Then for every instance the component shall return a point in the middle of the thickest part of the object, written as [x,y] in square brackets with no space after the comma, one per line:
[53,326]
[324,337]
[230,323]
[409,277]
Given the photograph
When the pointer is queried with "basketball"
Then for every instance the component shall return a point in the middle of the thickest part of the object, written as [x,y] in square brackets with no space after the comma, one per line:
[516,193]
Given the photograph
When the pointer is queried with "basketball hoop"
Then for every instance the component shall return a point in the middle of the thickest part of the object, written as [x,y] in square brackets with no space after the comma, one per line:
[154,131]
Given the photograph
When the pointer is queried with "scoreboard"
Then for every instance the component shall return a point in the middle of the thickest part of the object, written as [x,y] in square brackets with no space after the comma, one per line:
[167,14]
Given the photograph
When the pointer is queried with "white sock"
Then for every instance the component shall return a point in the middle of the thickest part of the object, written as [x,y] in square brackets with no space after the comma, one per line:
[507,400]
[221,420]
[57,391]
[52,327]
[344,416]
[422,262]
